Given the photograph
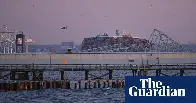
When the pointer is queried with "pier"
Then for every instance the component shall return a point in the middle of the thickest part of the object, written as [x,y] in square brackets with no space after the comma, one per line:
[19,75]
[14,68]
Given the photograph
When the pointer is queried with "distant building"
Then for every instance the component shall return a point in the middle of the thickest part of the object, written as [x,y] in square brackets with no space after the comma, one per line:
[38,50]
[44,48]
[65,45]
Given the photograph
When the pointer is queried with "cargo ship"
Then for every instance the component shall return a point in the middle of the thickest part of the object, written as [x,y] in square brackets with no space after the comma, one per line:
[121,42]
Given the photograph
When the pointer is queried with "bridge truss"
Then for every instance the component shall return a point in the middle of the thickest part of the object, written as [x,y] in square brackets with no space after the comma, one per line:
[160,42]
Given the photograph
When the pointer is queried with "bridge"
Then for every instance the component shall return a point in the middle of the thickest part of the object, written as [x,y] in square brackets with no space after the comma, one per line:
[100,58]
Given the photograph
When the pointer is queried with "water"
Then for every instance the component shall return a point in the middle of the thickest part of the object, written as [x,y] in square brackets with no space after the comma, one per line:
[105,95]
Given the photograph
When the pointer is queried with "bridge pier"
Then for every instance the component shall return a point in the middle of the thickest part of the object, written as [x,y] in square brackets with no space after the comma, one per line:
[110,74]
[34,76]
[158,72]
[62,75]
[181,72]
[86,74]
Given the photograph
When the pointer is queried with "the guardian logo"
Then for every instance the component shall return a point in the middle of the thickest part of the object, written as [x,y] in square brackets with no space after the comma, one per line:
[154,88]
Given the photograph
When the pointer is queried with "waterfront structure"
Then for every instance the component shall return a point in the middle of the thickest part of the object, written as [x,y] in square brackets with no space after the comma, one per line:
[13,41]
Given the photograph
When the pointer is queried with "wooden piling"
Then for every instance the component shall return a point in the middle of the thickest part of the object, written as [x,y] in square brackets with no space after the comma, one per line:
[85,85]
[68,85]
[108,83]
[4,86]
[104,83]
[181,72]
[134,72]
[44,84]
[22,86]
[98,82]
[38,83]
[79,82]
[86,74]
[89,84]
[113,84]
[12,86]
[35,85]
[120,83]
[62,75]
[64,85]
[75,85]
[58,84]
[94,84]
[117,84]
[51,86]
[110,74]
[1,86]
[123,84]
[31,85]
[48,85]
[26,85]
[54,84]
[158,72]
[34,76]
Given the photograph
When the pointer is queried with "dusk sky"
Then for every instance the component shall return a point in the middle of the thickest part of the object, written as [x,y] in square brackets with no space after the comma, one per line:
[42,20]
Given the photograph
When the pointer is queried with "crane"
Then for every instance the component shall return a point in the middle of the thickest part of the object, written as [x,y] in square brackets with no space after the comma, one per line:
[8,38]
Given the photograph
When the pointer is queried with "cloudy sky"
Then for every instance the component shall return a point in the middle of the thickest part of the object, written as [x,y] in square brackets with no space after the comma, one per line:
[42,20]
